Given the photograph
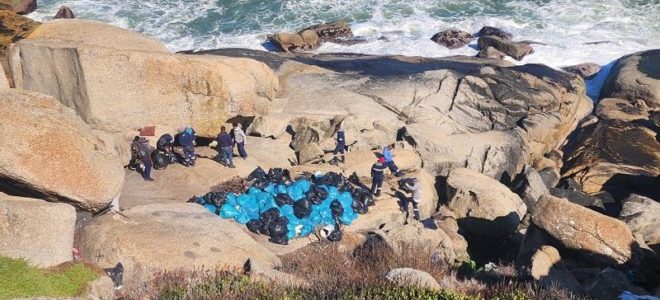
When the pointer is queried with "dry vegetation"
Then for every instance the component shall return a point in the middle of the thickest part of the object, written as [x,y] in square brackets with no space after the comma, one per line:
[333,274]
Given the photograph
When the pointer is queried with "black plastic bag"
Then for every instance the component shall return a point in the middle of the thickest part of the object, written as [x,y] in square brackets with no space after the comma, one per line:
[267,218]
[258,173]
[278,231]
[302,208]
[354,179]
[278,175]
[336,208]
[360,207]
[196,200]
[217,199]
[283,199]
[335,236]
[254,225]
[160,160]
[316,194]
[402,183]
[261,183]
[281,240]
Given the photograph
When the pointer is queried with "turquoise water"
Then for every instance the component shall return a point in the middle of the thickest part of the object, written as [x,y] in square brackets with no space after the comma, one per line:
[564,26]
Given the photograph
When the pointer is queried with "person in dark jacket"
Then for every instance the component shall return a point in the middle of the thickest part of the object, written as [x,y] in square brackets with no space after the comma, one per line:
[226,145]
[135,153]
[187,138]
[377,176]
[144,154]
[341,146]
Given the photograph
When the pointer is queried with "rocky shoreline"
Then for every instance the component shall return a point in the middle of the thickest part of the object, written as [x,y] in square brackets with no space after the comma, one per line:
[517,164]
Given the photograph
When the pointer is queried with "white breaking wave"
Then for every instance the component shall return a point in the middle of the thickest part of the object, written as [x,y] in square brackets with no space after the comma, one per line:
[566,28]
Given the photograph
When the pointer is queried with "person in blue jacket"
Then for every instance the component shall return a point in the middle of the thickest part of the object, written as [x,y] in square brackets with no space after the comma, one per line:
[341,146]
[226,145]
[187,138]
[389,161]
[377,176]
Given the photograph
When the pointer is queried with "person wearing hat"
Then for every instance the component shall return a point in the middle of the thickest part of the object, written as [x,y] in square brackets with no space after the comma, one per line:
[377,176]
[414,186]
[186,139]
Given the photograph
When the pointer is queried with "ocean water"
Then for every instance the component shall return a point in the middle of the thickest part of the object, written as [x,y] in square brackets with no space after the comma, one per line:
[566,27]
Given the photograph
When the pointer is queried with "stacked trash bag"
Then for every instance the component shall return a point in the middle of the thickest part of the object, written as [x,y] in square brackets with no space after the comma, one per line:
[283,209]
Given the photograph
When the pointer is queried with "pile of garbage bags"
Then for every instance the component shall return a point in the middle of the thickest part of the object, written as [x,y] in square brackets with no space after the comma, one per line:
[283,209]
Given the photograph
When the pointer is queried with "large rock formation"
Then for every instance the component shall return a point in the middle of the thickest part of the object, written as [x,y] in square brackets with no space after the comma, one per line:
[635,76]
[156,88]
[483,206]
[311,37]
[36,230]
[64,13]
[19,6]
[517,50]
[548,268]
[586,70]
[155,237]
[600,239]
[51,153]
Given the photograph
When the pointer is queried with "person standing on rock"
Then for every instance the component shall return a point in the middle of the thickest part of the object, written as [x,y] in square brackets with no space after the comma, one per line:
[340,147]
[389,161]
[226,144]
[135,153]
[186,138]
[240,139]
[377,176]
[415,188]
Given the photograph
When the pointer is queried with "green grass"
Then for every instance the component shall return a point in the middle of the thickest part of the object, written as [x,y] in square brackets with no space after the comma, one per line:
[18,279]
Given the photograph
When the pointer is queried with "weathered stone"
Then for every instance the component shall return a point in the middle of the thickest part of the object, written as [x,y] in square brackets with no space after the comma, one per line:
[616,156]
[169,90]
[149,238]
[412,277]
[52,153]
[36,230]
[273,125]
[580,198]
[514,49]
[491,52]
[600,239]
[296,42]
[64,13]
[550,271]
[76,33]
[19,6]
[586,70]
[483,206]
[621,109]
[309,153]
[532,186]
[609,284]
[635,76]
[13,28]
[446,221]
[550,177]
[643,217]
[101,289]
[452,38]
[494,31]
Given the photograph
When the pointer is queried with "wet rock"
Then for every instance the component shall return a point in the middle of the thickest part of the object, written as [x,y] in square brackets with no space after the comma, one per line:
[36,230]
[296,42]
[412,277]
[514,49]
[494,31]
[483,206]
[22,7]
[491,52]
[586,71]
[635,76]
[64,13]
[336,32]
[643,217]
[602,240]
[140,238]
[452,38]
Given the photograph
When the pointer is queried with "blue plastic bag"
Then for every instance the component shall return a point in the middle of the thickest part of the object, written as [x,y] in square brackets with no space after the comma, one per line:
[333,193]
[228,211]
[210,208]
[231,199]
[242,219]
